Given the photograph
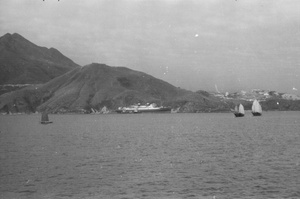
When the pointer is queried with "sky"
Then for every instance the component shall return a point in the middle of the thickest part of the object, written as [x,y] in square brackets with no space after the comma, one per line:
[212,45]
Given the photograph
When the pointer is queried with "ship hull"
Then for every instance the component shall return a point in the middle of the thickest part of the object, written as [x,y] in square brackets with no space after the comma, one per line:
[155,110]
[256,114]
[238,114]
[46,122]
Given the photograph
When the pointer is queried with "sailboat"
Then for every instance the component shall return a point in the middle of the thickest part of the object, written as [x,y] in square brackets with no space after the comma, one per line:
[239,111]
[45,118]
[256,108]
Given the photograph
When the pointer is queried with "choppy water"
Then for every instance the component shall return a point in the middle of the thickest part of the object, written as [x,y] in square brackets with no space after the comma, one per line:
[151,156]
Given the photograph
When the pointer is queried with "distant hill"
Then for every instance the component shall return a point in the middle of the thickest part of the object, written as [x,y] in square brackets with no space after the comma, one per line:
[270,100]
[98,85]
[22,62]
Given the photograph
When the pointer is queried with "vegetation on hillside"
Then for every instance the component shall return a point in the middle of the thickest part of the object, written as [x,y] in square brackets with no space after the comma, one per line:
[97,85]
[22,62]
[34,78]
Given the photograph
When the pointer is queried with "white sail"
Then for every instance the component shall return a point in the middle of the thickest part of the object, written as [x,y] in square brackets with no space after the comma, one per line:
[236,109]
[241,109]
[256,107]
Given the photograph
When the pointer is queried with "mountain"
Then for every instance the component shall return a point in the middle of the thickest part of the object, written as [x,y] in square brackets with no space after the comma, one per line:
[98,85]
[44,79]
[22,62]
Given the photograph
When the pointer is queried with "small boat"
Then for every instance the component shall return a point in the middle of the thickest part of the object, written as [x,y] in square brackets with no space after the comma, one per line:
[45,118]
[239,111]
[256,108]
[143,109]
[104,110]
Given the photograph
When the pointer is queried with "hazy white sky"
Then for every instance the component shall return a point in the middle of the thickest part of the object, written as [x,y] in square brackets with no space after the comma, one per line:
[200,44]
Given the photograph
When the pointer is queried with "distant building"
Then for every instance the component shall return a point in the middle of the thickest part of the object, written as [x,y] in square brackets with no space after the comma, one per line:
[290,97]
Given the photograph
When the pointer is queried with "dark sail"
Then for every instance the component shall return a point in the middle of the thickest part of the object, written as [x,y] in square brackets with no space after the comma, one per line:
[45,118]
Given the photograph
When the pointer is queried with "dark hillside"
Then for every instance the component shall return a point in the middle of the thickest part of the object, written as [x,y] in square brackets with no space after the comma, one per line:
[98,85]
[22,62]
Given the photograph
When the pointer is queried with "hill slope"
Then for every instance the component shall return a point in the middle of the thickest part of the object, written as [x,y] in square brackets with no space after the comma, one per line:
[98,85]
[22,62]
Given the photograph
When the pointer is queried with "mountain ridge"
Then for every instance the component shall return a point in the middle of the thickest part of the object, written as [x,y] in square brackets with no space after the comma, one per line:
[96,85]
[71,88]
[23,62]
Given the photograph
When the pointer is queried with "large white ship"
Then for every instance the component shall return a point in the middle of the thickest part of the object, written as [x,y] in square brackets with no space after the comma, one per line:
[143,108]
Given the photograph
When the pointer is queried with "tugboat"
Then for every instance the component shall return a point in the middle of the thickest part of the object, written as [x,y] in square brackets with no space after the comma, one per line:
[148,108]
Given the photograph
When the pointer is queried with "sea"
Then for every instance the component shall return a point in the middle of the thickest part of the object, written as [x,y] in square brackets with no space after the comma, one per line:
[155,155]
